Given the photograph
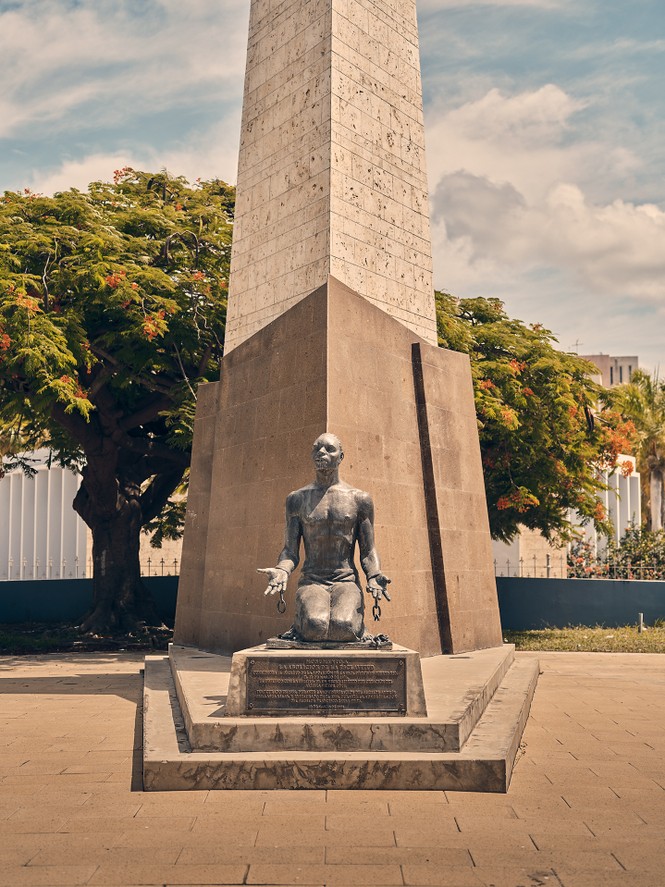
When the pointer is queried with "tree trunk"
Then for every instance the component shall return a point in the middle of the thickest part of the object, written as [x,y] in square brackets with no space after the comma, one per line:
[656,498]
[120,600]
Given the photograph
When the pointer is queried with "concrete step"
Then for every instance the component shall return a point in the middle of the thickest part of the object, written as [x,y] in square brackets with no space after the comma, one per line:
[457,691]
[484,764]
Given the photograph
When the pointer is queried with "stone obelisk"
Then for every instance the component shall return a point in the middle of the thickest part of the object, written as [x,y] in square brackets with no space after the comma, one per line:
[331,326]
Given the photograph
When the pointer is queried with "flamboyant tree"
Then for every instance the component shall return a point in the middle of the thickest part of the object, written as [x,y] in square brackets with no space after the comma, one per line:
[112,310]
[542,434]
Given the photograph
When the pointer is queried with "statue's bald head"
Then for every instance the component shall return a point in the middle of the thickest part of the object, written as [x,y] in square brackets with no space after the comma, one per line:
[327,451]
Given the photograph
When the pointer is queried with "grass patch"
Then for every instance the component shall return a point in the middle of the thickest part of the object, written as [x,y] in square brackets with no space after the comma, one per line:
[36,637]
[581,639]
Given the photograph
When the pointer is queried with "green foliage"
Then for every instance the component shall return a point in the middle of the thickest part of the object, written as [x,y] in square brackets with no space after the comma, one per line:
[112,310]
[639,555]
[538,437]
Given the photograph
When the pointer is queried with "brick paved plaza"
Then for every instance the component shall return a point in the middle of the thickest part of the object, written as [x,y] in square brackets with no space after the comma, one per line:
[586,807]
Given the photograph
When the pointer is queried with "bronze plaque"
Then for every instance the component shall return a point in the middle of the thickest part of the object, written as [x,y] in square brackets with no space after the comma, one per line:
[326,684]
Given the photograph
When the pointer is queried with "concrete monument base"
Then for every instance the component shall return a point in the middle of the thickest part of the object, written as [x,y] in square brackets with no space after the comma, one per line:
[405,412]
[477,705]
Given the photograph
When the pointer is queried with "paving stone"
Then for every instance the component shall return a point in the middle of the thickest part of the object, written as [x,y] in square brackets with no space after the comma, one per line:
[100,855]
[231,852]
[46,876]
[281,806]
[434,875]
[527,876]
[278,837]
[572,877]
[101,824]
[643,855]
[408,803]
[369,822]
[33,824]
[158,874]
[14,855]
[601,860]
[214,833]
[369,854]
[325,874]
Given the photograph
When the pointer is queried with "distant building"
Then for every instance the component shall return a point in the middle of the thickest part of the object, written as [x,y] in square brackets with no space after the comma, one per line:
[613,370]
[622,503]
[42,537]
[529,555]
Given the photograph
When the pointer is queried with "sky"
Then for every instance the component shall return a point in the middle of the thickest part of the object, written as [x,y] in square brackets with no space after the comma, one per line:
[545,129]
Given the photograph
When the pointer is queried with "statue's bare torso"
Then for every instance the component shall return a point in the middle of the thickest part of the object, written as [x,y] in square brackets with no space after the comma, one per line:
[329,600]
[330,518]
[329,522]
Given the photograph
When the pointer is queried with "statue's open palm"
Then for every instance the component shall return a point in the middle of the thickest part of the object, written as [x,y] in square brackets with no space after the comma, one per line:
[277,579]
[377,587]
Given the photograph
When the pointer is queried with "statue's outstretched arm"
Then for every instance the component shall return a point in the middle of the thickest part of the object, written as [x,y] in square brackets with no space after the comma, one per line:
[289,556]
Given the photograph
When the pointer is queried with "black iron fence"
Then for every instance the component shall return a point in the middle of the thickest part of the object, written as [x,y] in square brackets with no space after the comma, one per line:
[571,566]
[552,566]
[23,568]
[616,568]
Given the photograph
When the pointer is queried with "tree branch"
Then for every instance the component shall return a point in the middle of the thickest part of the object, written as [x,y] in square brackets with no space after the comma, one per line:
[203,363]
[147,412]
[100,379]
[146,381]
[75,425]
[182,370]
[152,449]
[158,492]
[44,277]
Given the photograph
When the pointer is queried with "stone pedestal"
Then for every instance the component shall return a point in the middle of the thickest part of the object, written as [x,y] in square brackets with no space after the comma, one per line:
[339,683]
[405,412]
[476,708]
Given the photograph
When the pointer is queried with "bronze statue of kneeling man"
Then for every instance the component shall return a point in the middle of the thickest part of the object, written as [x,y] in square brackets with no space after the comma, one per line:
[330,516]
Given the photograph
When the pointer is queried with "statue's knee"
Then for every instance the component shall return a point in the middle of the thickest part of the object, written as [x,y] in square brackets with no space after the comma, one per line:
[342,628]
[314,628]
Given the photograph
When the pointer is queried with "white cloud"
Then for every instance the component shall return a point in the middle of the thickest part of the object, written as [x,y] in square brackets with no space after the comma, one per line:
[525,139]
[115,57]
[205,155]
[528,119]
[79,173]
[513,217]
[616,248]
[463,4]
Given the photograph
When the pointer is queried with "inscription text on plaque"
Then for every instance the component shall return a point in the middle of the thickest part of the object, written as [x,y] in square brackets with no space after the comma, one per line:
[326,684]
